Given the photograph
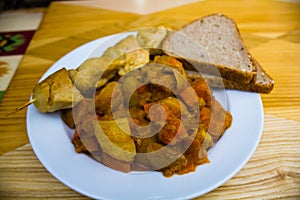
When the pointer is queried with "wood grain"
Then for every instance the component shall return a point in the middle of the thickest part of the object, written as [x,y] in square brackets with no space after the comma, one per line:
[271,30]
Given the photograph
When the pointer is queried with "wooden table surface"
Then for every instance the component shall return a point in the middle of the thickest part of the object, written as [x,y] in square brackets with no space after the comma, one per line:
[271,30]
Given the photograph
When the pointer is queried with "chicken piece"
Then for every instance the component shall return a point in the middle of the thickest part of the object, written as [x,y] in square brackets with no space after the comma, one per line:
[152,38]
[125,56]
[134,59]
[56,92]
[119,59]
[88,74]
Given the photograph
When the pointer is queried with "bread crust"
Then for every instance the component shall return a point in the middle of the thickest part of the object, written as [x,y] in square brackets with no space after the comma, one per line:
[263,82]
[219,70]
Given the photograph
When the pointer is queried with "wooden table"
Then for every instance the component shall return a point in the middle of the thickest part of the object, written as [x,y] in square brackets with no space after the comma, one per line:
[271,30]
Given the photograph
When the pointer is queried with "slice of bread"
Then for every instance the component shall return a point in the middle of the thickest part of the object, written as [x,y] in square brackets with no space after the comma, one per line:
[212,45]
[262,83]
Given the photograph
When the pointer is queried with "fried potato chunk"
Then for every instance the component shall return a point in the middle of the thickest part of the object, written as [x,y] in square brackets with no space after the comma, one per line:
[114,140]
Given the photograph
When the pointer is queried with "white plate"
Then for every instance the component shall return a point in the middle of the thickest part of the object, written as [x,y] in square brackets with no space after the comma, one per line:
[51,142]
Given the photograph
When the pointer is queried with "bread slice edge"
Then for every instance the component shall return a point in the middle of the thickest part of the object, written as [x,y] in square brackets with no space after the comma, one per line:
[228,72]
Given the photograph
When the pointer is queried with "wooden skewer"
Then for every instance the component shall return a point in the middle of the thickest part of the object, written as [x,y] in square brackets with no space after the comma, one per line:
[21,107]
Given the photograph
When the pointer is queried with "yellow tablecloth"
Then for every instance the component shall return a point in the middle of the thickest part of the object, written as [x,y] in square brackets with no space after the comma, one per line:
[271,30]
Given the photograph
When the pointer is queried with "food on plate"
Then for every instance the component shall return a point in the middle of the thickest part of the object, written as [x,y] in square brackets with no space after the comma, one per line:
[121,146]
[213,42]
[56,91]
[139,107]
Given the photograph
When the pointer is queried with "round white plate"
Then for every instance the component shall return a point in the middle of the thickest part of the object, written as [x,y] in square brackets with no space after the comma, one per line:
[51,142]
